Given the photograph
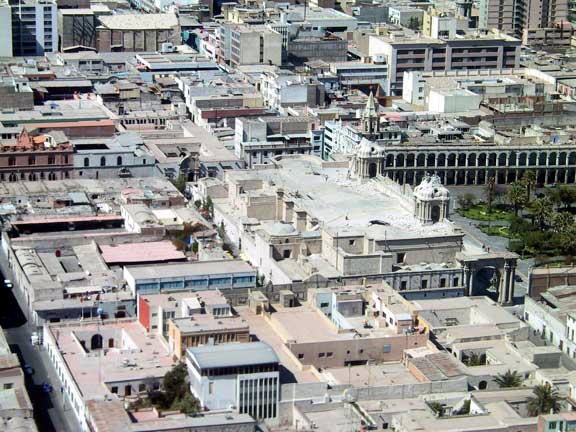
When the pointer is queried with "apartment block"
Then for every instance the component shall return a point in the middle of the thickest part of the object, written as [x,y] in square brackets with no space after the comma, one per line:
[255,46]
[514,16]
[481,50]
[6,26]
[34,27]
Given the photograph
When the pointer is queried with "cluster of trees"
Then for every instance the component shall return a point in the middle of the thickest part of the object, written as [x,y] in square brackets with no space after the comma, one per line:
[175,396]
[543,223]
[545,400]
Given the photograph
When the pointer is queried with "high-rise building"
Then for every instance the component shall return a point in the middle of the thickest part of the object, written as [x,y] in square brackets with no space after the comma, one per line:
[34,27]
[6,26]
[514,16]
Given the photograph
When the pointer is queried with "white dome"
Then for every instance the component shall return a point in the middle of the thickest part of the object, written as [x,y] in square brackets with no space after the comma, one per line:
[431,188]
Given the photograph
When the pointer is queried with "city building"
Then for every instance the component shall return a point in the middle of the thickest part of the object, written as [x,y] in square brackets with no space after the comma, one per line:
[33,157]
[514,17]
[34,27]
[137,33]
[222,275]
[6,25]
[406,53]
[77,28]
[245,376]
[251,45]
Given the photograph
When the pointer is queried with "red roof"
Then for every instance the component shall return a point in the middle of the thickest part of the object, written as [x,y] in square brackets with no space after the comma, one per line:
[141,252]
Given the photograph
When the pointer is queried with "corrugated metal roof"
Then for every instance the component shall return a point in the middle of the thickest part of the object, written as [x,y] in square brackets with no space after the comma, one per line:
[229,355]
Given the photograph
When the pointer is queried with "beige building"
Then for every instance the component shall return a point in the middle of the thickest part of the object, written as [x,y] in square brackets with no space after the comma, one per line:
[201,329]
[407,52]
[513,16]
[255,46]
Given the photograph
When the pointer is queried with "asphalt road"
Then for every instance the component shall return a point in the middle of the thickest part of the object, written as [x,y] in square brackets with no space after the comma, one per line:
[50,413]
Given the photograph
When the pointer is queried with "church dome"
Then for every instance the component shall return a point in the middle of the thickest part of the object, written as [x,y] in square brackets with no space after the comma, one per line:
[431,188]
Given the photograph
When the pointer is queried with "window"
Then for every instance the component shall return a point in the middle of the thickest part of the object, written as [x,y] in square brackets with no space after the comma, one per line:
[210,387]
[86,162]
[142,387]
[287,253]
[300,356]
[403,285]
[51,160]
[324,305]
[361,351]
[456,281]
[8,386]
[329,354]
[424,284]
[119,160]
[11,161]
[442,282]
[114,390]
[387,348]
[320,355]
[400,258]
[351,242]
[31,160]
[103,161]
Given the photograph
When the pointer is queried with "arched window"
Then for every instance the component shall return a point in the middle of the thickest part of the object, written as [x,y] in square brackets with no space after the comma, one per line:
[119,160]
[103,161]
[96,342]
[86,162]
[31,160]
[51,176]
[11,161]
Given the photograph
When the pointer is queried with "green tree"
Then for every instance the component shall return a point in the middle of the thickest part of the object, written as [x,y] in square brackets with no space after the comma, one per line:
[509,379]
[541,209]
[561,221]
[545,400]
[180,183]
[489,192]
[437,407]
[516,196]
[529,180]
[568,240]
[565,196]
[175,382]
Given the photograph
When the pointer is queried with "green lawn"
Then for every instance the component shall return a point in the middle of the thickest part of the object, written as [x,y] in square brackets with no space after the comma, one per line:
[480,212]
[494,230]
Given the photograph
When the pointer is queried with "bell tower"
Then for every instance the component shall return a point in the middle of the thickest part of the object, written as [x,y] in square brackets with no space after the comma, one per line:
[370,118]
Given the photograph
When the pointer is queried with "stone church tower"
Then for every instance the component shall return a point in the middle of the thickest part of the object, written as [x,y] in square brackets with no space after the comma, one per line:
[370,118]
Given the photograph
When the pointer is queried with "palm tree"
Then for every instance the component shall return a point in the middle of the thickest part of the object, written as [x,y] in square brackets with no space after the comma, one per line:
[545,400]
[541,209]
[516,195]
[568,240]
[529,180]
[566,196]
[508,379]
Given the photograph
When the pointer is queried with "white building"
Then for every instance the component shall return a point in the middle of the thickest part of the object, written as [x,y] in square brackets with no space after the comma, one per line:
[6,26]
[34,28]
[553,318]
[244,376]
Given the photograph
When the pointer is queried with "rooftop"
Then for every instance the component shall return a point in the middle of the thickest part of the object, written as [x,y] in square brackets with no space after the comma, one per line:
[141,252]
[139,21]
[232,354]
[189,269]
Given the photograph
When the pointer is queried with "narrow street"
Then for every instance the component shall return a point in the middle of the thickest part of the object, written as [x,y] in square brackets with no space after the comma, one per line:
[49,410]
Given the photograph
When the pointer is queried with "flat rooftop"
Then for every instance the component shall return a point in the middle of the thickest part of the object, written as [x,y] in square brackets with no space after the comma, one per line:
[93,368]
[232,354]
[198,268]
[141,252]
[376,375]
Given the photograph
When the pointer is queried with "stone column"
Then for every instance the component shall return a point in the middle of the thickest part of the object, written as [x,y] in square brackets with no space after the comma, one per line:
[512,283]
[468,280]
